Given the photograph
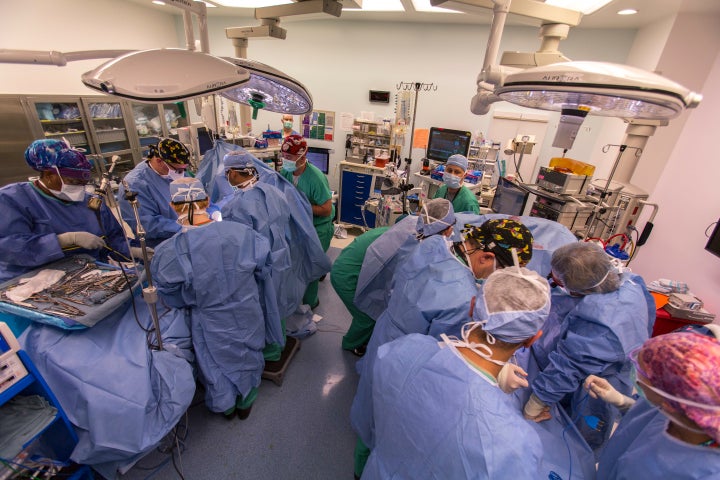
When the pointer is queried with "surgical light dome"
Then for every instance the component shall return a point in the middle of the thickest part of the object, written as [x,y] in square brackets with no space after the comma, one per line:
[165,75]
[606,89]
[276,91]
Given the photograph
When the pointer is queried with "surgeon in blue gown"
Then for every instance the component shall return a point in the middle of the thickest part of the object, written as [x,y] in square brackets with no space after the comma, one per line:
[166,161]
[431,293]
[673,430]
[48,218]
[220,271]
[439,409]
[598,317]
[263,208]
[308,259]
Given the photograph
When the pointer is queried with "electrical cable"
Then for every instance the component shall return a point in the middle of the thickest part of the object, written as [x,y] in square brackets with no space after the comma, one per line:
[517,169]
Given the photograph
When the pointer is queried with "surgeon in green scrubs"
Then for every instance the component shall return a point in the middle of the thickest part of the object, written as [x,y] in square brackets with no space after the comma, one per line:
[314,184]
[344,277]
[463,200]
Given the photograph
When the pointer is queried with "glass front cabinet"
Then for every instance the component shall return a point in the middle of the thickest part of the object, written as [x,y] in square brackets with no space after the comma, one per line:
[105,128]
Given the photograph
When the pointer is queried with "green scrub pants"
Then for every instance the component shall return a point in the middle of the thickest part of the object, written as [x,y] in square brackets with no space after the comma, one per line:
[361,457]
[272,351]
[243,403]
[362,325]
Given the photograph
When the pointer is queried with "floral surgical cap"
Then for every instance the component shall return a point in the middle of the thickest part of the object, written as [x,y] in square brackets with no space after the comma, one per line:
[685,365]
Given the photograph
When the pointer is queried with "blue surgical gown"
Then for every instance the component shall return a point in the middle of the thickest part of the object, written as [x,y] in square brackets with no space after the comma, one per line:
[438,417]
[264,209]
[381,260]
[32,220]
[432,293]
[642,448]
[219,271]
[122,397]
[591,335]
[309,261]
[156,215]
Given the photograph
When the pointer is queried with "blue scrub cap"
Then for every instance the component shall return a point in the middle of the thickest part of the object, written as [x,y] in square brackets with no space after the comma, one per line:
[513,305]
[238,159]
[186,190]
[435,216]
[458,160]
[48,154]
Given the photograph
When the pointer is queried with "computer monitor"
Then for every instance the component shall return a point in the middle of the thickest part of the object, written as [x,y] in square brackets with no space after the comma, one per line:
[320,157]
[443,142]
[509,198]
[205,139]
[713,243]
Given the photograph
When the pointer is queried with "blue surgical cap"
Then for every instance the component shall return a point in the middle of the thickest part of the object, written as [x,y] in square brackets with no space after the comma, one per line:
[513,305]
[187,189]
[238,159]
[48,154]
[458,160]
[435,216]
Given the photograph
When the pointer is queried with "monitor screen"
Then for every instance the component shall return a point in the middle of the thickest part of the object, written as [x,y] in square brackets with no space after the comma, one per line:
[713,243]
[509,198]
[320,157]
[443,142]
[205,140]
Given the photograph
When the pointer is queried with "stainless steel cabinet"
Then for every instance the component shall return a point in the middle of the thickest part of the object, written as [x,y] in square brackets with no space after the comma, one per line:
[103,126]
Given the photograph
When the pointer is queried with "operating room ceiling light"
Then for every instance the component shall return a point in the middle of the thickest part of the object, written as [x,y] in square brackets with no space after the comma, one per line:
[424,6]
[251,3]
[585,6]
[277,91]
[627,11]
[165,75]
[378,6]
[606,89]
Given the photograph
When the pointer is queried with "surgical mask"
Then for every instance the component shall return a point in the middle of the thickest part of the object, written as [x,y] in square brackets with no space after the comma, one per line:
[288,125]
[449,243]
[174,175]
[289,165]
[70,193]
[244,186]
[452,181]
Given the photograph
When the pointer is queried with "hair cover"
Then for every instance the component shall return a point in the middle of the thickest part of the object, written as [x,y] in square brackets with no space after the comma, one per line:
[435,216]
[514,304]
[685,365]
[458,160]
[47,154]
[186,190]
[238,160]
[499,236]
[172,151]
[294,145]
[584,267]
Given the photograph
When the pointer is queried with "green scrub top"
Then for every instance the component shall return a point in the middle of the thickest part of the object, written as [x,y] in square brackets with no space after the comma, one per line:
[347,265]
[464,201]
[314,184]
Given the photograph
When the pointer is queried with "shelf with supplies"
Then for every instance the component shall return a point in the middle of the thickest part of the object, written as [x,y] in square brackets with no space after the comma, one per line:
[36,432]
[370,140]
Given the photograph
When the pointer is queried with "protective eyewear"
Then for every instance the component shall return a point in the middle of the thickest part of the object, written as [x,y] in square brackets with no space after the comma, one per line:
[290,156]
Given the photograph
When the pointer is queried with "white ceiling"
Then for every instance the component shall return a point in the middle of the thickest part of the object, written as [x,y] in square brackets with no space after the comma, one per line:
[649,11]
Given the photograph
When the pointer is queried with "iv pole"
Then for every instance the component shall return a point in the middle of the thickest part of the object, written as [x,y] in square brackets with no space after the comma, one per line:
[415,86]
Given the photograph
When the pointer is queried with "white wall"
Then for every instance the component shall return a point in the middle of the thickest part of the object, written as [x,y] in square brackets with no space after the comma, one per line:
[689,200]
[74,25]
